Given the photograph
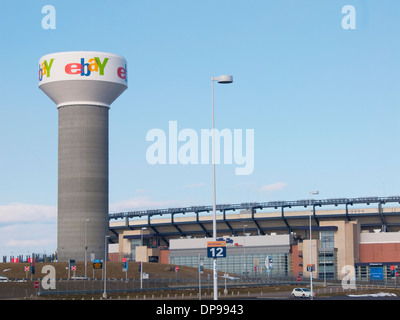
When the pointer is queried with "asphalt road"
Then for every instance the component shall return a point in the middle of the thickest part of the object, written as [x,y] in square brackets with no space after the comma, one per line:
[286,295]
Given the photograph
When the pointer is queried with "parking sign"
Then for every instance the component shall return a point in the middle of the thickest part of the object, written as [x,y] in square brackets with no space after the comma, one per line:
[216,249]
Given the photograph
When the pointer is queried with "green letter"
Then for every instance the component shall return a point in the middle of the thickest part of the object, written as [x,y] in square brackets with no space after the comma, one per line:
[101,66]
[48,67]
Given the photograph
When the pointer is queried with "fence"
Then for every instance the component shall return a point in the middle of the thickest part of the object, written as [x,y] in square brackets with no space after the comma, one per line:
[25,288]
[167,288]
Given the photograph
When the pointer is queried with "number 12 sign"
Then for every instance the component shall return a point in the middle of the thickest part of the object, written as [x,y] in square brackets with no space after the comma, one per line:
[216,249]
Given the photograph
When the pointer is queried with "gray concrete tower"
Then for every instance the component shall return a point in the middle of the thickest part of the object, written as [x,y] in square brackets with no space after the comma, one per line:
[83,85]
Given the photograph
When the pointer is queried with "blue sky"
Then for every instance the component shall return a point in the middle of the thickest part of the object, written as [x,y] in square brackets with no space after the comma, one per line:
[323,102]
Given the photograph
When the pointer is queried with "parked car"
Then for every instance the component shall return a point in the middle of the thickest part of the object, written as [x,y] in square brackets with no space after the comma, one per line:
[302,293]
[3,278]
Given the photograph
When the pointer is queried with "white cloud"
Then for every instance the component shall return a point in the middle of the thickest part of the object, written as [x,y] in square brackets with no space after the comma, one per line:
[21,238]
[22,213]
[29,242]
[27,228]
[274,187]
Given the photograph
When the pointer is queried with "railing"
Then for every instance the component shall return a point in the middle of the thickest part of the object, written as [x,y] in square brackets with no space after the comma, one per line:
[255,205]
[26,290]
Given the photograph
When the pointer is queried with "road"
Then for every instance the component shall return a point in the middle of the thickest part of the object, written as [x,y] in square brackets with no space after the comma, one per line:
[328,293]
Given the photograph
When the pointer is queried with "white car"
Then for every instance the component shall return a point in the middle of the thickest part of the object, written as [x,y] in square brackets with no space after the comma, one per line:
[3,278]
[302,293]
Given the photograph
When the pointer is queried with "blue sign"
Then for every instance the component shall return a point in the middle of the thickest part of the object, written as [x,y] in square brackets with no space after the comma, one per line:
[216,252]
[376,273]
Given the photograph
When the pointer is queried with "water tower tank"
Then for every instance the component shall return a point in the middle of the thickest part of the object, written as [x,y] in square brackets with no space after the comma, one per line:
[82,84]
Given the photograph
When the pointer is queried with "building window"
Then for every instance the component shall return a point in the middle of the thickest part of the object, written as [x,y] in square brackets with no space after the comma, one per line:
[326,264]
[326,255]
[362,273]
[327,239]
[249,265]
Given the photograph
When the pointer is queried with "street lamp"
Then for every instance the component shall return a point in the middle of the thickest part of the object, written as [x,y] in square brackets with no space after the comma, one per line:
[105,266]
[224,79]
[244,251]
[311,273]
[141,257]
[324,241]
[86,246]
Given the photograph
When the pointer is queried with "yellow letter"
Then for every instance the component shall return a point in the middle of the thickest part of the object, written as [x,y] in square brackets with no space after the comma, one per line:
[43,69]
[93,66]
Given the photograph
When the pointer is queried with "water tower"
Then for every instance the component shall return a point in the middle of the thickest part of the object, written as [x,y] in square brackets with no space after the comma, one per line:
[83,85]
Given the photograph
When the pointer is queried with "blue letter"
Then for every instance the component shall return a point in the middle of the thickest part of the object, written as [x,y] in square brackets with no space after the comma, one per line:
[83,65]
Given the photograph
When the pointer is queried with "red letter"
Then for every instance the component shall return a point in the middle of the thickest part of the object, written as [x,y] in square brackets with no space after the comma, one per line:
[121,73]
[73,68]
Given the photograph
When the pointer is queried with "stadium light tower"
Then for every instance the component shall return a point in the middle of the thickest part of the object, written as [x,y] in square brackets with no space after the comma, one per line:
[83,84]
[220,79]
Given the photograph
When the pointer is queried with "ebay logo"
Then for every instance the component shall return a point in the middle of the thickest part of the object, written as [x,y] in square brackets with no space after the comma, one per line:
[44,69]
[85,69]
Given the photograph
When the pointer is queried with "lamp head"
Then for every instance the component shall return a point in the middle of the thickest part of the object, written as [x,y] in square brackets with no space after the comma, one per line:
[223,79]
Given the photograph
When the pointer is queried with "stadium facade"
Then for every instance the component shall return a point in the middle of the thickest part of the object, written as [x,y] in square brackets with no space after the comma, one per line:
[270,239]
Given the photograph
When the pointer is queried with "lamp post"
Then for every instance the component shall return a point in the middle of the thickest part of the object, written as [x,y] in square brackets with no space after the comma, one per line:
[86,247]
[224,79]
[244,251]
[311,273]
[141,257]
[324,242]
[105,267]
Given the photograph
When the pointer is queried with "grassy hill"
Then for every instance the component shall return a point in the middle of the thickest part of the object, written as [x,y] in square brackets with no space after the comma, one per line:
[114,270]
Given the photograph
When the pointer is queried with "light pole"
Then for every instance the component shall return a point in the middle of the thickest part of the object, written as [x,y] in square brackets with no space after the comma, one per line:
[311,273]
[324,242]
[244,251]
[87,220]
[141,257]
[219,79]
[105,267]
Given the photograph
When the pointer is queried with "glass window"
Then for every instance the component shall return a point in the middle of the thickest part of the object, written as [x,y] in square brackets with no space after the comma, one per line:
[326,264]
[327,239]
[251,264]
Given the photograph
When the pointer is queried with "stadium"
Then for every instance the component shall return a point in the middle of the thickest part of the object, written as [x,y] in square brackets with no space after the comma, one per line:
[269,239]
